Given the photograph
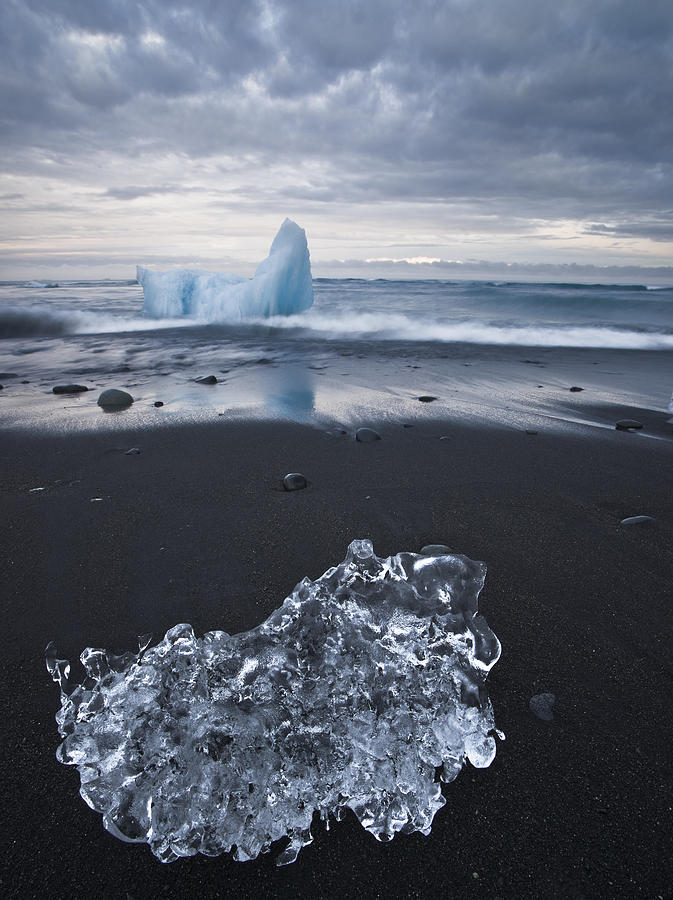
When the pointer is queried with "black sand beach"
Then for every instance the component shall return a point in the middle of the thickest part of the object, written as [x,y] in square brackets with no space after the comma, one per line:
[196,528]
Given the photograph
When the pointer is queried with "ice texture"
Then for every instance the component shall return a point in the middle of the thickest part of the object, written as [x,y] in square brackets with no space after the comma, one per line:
[281,286]
[360,692]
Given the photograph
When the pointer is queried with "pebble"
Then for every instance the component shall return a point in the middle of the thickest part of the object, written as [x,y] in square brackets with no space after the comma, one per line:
[531,431]
[426,398]
[158,403]
[638,520]
[134,451]
[367,435]
[294,482]
[628,425]
[574,389]
[69,389]
[113,398]
[206,379]
[541,706]
[435,550]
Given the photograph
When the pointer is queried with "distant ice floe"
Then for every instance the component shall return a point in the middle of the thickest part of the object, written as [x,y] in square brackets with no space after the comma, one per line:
[354,694]
[281,286]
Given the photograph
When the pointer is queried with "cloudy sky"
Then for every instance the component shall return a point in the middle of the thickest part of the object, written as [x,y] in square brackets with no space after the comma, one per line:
[508,131]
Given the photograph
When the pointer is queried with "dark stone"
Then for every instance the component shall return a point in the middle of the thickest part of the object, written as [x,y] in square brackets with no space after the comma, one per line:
[426,398]
[574,389]
[366,435]
[294,482]
[206,379]
[69,389]
[541,706]
[628,425]
[638,520]
[25,382]
[113,398]
[407,425]
[158,403]
[530,431]
[435,550]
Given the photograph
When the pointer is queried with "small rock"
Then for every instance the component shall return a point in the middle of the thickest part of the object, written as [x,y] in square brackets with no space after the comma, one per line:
[367,435]
[294,482]
[531,431]
[206,379]
[113,398]
[426,398]
[134,451]
[158,403]
[25,382]
[435,550]
[541,706]
[574,389]
[638,520]
[628,425]
[69,389]
[407,425]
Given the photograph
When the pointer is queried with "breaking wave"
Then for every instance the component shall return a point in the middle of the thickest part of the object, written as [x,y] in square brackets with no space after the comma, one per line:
[353,694]
[16,323]
[399,326]
[20,323]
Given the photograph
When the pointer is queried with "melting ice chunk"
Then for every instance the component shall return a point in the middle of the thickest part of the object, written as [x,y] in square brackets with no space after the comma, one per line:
[352,695]
[281,285]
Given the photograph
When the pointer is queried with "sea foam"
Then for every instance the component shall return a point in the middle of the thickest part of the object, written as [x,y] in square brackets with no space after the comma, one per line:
[362,689]
[282,285]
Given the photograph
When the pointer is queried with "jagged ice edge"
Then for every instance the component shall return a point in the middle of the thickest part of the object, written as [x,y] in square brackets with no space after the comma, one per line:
[361,688]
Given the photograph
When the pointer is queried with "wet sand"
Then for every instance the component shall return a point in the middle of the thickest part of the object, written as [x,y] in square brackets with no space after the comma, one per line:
[196,528]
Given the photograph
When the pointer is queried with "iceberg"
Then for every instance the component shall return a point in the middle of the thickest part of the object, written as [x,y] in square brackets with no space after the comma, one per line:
[281,286]
[361,692]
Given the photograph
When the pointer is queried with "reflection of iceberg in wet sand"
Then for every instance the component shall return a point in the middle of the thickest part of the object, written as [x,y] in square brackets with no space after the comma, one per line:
[351,695]
[290,394]
[281,285]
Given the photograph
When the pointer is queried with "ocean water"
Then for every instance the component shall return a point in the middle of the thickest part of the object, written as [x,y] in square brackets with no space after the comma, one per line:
[372,332]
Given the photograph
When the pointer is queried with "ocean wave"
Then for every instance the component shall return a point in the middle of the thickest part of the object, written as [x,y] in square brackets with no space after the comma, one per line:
[16,323]
[38,322]
[398,326]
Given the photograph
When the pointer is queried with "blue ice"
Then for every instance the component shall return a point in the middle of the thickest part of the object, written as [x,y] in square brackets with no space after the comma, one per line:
[281,286]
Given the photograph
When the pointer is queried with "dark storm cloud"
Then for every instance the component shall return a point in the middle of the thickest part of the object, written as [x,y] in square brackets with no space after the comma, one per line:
[543,110]
[655,231]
